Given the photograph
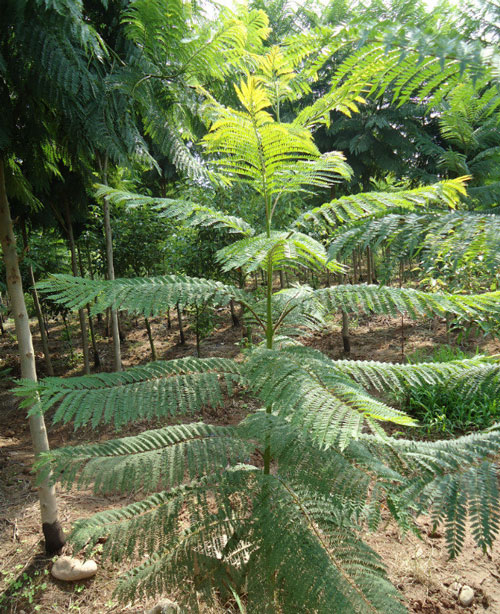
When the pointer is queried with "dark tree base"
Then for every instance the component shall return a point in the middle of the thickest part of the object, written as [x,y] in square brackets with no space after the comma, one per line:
[54,537]
[347,345]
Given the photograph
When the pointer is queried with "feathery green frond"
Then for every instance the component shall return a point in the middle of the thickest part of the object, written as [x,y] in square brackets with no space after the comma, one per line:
[176,387]
[151,461]
[456,238]
[456,479]
[148,296]
[332,407]
[392,377]
[285,249]
[393,301]
[342,573]
[275,158]
[190,213]
[349,208]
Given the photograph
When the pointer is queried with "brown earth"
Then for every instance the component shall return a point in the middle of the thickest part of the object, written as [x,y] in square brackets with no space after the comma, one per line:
[419,567]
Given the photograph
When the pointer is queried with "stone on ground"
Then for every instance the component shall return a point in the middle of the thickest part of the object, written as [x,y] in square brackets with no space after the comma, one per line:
[165,607]
[466,596]
[69,569]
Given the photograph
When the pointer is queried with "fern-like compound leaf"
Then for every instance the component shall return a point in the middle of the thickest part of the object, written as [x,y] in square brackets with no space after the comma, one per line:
[456,479]
[357,206]
[393,301]
[155,460]
[147,296]
[284,249]
[185,211]
[176,387]
[331,407]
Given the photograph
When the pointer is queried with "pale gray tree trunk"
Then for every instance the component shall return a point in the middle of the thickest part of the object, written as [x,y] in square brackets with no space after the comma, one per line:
[52,530]
[38,308]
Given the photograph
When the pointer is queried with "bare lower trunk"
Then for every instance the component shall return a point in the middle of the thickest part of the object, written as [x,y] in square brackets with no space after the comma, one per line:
[345,333]
[197,331]
[150,337]
[234,317]
[115,331]
[52,530]
[369,272]
[97,360]
[74,267]
[181,327]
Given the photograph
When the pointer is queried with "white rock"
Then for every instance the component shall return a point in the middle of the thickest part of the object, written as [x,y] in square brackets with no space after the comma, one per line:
[466,596]
[165,607]
[69,569]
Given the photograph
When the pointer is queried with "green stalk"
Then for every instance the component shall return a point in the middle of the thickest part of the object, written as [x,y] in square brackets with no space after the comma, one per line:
[269,331]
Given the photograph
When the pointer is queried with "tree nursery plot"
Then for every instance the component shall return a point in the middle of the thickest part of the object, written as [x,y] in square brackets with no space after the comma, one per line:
[250,308]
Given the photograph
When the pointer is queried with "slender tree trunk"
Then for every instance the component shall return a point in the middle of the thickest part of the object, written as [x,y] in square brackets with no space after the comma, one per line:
[150,337]
[169,320]
[401,276]
[282,280]
[181,327]
[369,273]
[52,530]
[97,360]
[345,333]
[234,317]
[197,331]
[38,307]
[68,335]
[74,267]
[107,323]
[111,272]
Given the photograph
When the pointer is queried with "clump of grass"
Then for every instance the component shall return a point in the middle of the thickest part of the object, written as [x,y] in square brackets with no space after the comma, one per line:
[443,410]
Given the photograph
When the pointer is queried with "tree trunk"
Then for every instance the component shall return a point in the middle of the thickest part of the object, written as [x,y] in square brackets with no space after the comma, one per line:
[282,280]
[111,273]
[181,327]
[234,317]
[169,320]
[197,331]
[345,333]
[97,359]
[52,530]
[68,335]
[369,274]
[74,267]
[150,337]
[38,308]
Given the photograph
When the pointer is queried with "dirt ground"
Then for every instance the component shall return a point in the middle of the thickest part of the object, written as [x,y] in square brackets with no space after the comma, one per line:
[418,567]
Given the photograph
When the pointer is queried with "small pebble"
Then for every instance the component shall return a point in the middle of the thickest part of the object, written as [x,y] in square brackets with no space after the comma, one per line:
[466,596]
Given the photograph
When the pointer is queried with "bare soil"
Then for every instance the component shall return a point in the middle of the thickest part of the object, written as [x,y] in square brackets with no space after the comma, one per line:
[419,567]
